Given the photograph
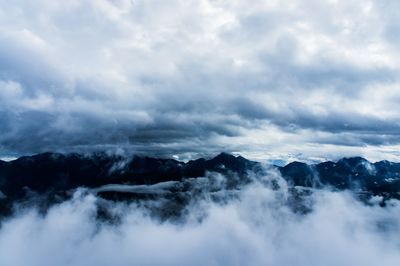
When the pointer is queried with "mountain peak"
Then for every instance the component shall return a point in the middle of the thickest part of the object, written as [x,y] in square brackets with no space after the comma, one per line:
[223,156]
[354,159]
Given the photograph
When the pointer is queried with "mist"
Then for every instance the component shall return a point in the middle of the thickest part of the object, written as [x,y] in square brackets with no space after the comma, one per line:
[254,225]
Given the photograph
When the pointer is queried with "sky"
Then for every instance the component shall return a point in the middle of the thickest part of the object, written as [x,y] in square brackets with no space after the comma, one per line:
[271,80]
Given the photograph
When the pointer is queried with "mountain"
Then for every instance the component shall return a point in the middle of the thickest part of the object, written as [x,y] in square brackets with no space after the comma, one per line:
[356,174]
[52,177]
[53,171]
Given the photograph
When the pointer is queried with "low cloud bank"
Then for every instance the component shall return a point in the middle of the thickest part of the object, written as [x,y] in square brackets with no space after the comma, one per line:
[256,227]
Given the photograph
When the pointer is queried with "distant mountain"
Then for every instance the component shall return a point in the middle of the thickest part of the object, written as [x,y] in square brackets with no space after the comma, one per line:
[356,173]
[53,176]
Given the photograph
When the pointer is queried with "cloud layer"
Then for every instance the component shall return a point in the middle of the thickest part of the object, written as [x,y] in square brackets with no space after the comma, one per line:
[256,228]
[195,77]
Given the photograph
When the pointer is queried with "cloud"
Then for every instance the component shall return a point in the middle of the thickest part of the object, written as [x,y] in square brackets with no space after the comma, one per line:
[95,74]
[255,228]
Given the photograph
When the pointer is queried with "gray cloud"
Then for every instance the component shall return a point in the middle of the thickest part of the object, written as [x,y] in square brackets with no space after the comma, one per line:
[215,75]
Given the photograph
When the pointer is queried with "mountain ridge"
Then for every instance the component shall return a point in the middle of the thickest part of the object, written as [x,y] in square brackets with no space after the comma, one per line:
[56,174]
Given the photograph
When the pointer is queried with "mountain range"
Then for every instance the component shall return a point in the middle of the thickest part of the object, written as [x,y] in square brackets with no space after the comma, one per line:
[54,176]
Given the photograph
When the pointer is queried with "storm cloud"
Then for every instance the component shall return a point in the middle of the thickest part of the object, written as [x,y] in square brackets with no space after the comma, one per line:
[268,79]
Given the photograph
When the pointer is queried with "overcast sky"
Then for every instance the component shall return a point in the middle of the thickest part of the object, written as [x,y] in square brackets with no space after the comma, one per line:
[298,79]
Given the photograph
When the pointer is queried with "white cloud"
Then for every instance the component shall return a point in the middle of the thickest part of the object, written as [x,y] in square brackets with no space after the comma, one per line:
[117,73]
[258,229]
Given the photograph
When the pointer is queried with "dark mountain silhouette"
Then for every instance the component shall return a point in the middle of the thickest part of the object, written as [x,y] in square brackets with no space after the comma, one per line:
[52,176]
[356,173]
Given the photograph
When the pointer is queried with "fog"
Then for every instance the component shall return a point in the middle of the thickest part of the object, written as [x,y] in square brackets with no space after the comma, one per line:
[255,227]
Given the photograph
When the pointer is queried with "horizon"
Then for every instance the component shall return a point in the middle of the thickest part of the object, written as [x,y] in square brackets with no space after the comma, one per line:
[268,161]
